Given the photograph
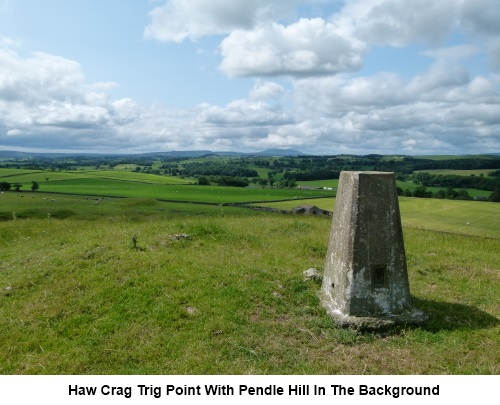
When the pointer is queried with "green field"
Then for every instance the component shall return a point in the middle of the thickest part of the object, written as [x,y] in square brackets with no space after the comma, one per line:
[127,184]
[320,183]
[96,284]
[461,217]
[478,172]
[47,178]
[402,184]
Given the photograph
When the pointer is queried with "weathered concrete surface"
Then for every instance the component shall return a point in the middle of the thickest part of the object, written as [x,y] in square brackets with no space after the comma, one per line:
[365,283]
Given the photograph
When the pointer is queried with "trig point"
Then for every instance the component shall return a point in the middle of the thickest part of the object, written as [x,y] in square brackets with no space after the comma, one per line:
[365,284]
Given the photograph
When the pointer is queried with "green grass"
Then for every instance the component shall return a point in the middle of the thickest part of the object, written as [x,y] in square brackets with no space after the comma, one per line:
[26,177]
[42,206]
[320,183]
[77,298]
[209,194]
[461,217]
[127,184]
[138,177]
[4,173]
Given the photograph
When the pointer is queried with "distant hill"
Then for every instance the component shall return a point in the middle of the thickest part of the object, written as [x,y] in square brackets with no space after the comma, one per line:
[6,154]
[201,153]
[9,154]
[279,152]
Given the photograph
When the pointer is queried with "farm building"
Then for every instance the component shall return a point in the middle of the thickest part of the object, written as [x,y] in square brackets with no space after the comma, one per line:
[309,209]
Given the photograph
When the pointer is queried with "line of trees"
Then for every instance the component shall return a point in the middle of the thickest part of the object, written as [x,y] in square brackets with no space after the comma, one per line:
[5,186]
[421,192]
[455,181]
[195,169]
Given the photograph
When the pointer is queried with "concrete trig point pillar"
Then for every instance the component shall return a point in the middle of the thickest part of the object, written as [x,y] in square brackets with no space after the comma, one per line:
[365,284]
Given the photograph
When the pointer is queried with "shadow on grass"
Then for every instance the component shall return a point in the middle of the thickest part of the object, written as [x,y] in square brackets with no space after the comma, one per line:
[452,316]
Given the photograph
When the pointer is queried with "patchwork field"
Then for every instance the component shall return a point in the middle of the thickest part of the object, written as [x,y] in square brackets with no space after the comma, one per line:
[128,184]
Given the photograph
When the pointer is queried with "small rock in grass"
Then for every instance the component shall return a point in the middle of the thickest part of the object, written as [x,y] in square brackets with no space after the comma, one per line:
[180,236]
[312,274]
[191,310]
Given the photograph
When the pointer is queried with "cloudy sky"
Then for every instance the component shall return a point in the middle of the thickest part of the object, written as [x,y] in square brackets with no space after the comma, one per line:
[321,76]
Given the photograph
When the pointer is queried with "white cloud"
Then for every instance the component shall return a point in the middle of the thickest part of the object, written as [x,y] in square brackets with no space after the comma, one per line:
[442,83]
[307,47]
[398,23]
[180,19]
[439,110]
[45,99]
[258,43]
[241,114]
[264,90]
[46,102]
[40,78]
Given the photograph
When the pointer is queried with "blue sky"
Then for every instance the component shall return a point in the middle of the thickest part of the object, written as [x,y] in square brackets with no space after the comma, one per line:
[326,77]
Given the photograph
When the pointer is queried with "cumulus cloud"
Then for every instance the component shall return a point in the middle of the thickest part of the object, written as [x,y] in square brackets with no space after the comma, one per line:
[177,20]
[258,43]
[307,47]
[46,102]
[441,109]
[398,23]
[45,97]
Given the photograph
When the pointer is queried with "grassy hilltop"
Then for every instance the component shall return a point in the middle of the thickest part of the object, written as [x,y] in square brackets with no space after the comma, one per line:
[95,284]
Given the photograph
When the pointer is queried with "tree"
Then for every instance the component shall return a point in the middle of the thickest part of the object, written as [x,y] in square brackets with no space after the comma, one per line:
[287,183]
[451,193]
[421,192]
[495,196]
[440,194]
[17,186]
[203,181]
[4,186]
[34,186]
[463,195]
